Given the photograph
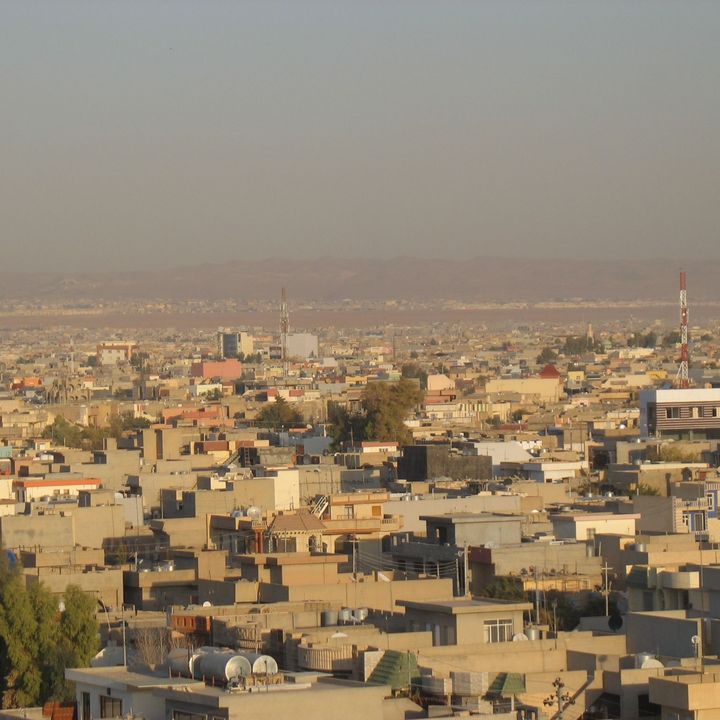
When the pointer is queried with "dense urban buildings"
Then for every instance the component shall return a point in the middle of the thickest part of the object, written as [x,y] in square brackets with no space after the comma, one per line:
[405,521]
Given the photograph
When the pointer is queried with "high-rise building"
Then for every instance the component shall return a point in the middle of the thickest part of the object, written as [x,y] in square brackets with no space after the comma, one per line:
[231,344]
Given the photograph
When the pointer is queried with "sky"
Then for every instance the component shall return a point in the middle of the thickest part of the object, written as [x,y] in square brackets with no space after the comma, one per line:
[148,133]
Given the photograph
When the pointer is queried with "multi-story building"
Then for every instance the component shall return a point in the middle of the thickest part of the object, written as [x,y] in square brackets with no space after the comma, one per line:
[692,414]
[112,352]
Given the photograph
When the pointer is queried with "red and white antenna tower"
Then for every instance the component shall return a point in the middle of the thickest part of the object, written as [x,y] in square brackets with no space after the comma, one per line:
[683,376]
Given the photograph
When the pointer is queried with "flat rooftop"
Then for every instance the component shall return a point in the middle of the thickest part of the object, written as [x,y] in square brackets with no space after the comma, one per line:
[464,606]
[120,678]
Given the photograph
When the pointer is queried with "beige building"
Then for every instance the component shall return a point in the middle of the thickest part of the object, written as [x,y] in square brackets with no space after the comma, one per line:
[462,621]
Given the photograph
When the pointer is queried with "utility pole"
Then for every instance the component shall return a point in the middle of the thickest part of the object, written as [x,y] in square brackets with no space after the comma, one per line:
[606,589]
[560,697]
[122,623]
[466,570]
[354,557]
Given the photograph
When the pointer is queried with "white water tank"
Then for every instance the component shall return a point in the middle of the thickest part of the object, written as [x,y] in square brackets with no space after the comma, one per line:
[260,664]
[221,666]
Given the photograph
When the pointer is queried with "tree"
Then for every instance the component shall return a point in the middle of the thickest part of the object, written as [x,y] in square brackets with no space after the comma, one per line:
[64,432]
[386,406]
[280,414]
[79,635]
[38,641]
[671,339]
[345,425]
[20,673]
[46,608]
[672,453]
[504,588]
[547,355]
[139,359]
[413,370]
[638,339]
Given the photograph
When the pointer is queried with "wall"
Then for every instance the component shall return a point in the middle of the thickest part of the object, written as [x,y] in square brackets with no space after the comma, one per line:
[37,530]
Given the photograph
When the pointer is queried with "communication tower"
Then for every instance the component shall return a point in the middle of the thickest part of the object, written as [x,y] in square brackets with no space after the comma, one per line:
[683,375]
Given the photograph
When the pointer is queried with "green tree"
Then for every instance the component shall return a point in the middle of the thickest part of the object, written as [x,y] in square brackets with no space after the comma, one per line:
[414,370]
[46,608]
[504,588]
[64,432]
[345,425]
[547,355]
[79,635]
[20,674]
[671,339]
[280,414]
[386,406]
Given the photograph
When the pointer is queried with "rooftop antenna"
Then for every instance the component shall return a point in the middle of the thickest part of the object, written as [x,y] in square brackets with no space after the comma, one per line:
[284,330]
[683,375]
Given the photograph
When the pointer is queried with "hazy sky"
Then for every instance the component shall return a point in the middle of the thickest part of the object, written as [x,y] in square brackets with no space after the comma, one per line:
[136,132]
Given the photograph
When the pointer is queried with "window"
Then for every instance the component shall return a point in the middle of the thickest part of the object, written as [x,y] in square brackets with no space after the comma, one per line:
[180,715]
[713,412]
[672,413]
[498,630]
[695,412]
[110,707]
[85,706]
[711,500]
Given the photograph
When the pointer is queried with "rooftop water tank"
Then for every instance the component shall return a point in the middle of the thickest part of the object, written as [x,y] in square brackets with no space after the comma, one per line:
[260,664]
[221,666]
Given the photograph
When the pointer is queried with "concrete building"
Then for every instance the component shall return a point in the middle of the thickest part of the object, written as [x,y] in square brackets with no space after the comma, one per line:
[232,344]
[687,696]
[114,352]
[585,525]
[680,414]
[302,345]
[477,529]
[426,462]
[461,621]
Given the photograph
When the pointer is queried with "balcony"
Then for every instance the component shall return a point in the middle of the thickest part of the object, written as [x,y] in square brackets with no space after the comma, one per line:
[358,526]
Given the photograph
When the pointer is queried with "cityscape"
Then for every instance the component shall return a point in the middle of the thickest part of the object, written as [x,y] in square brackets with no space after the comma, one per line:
[359,360]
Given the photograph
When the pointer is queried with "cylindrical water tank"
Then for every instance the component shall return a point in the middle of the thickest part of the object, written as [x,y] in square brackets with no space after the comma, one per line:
[179,662]
[345,616]
[532,632]
[360,614]
[329,618]
[221,666]
[260,664]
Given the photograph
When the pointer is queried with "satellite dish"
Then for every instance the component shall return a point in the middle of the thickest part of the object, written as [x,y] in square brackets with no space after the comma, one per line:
[207,603]
[520,637]
[615,622]
[695,640]
[254,512]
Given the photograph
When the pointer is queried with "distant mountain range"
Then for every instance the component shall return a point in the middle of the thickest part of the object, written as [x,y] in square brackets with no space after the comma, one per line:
[332,279]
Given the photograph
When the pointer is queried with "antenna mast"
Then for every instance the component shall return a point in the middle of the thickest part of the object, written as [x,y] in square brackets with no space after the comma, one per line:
[683,375]
[284,330]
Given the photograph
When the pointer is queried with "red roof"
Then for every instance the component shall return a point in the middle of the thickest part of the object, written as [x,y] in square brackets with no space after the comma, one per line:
[550,372]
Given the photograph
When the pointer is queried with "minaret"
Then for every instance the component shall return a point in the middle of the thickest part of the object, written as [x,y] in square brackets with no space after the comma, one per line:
[284,330]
